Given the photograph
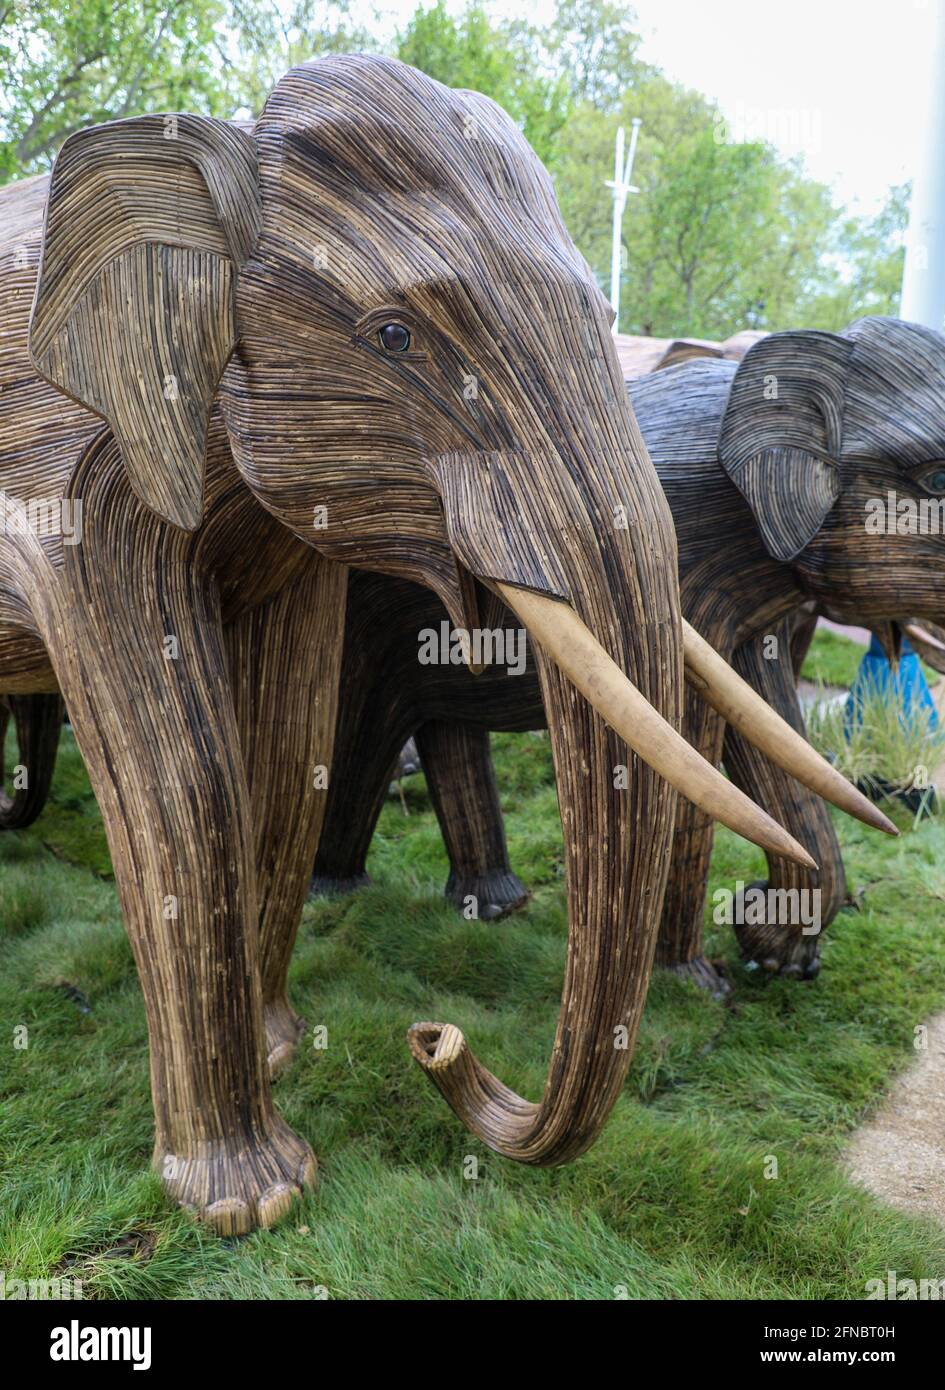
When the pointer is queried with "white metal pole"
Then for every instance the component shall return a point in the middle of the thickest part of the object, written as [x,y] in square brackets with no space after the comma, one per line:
[635,125]
[619,200]
[923,277]
[621,186]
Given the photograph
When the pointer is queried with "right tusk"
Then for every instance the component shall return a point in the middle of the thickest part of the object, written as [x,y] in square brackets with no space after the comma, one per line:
[741,706]
[576,651]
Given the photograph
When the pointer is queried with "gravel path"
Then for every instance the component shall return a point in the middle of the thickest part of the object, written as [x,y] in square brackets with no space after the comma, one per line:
[899,1154]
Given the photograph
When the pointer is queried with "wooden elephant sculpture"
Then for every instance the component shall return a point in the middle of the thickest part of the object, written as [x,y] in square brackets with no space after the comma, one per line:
[247,367]
[780,472]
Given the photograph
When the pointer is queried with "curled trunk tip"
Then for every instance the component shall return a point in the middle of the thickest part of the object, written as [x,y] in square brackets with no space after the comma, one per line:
[436,1046]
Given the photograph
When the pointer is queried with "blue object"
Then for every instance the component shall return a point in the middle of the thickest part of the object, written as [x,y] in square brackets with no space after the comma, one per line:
[908,687]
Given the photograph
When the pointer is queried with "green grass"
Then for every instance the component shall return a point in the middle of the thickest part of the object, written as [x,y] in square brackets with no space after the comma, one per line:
[832,659]
[671,1203]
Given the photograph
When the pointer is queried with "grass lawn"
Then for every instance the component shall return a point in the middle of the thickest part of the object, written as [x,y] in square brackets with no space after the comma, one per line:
[673,1202]
[832,659]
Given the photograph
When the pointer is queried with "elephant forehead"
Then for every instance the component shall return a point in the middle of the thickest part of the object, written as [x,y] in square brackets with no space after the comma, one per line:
[895,397]
[382,128]
[438,250]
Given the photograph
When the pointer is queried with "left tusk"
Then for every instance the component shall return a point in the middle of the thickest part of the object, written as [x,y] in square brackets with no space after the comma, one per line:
[755,720]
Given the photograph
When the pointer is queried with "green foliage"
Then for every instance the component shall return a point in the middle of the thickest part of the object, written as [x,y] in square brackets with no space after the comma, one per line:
[870,252]
[594,44]
[671,1203]
[722,235]
[66,66]
[882,746]
[832,659]
[497,59]
[271,37]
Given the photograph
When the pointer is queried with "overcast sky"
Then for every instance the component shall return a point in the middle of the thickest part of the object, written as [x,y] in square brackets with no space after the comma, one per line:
[843,82]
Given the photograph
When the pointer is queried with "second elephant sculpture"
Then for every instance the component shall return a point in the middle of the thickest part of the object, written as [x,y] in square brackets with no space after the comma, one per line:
[775,469]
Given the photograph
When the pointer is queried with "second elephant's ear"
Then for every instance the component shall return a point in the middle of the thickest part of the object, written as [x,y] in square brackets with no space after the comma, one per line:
[781,434]
[147,225]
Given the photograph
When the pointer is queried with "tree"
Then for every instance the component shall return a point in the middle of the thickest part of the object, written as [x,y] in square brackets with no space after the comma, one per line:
[503,61]
[594,44]
[66,65]
[722,236]
[271,39]
[869,254]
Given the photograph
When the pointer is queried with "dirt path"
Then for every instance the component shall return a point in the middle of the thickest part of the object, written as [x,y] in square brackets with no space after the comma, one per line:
[899,1154]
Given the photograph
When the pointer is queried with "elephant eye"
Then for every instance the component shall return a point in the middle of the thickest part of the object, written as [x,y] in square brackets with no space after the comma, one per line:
[934,480]
[394,337]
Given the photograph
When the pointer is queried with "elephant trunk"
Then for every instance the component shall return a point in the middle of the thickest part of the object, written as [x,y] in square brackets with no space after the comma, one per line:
[617,812]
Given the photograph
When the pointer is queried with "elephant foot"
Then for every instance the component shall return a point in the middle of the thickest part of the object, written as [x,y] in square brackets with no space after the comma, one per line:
[284,1030]
[777,948]
[487,896]
[326,886]
[238,1186]
[702,972]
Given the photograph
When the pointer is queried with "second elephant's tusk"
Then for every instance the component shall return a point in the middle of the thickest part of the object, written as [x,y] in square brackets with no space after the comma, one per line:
[743,708]
[915,633]
[576,651]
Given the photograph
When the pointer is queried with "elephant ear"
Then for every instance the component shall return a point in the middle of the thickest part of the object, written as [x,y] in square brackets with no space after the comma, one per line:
[781,434]
[147,224]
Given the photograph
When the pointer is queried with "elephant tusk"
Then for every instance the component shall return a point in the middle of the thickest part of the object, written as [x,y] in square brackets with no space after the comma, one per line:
[915,633]
[746,711]
[557,628]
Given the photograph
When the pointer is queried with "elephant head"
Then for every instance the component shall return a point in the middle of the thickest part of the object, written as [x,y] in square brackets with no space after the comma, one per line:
[416,373]
[837,442]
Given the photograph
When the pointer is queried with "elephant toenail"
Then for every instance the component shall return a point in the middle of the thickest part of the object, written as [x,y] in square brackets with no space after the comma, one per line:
[275,1202]
[230,1216]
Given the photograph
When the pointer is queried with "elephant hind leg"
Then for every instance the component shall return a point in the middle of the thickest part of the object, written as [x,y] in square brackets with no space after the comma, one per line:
[363,769]
[38,721]
[457,761]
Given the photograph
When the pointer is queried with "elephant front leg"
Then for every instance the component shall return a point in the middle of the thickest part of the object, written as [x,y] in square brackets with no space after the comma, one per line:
[779,926]
[457,762]
[679,946]
[285,658]
[134,633]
